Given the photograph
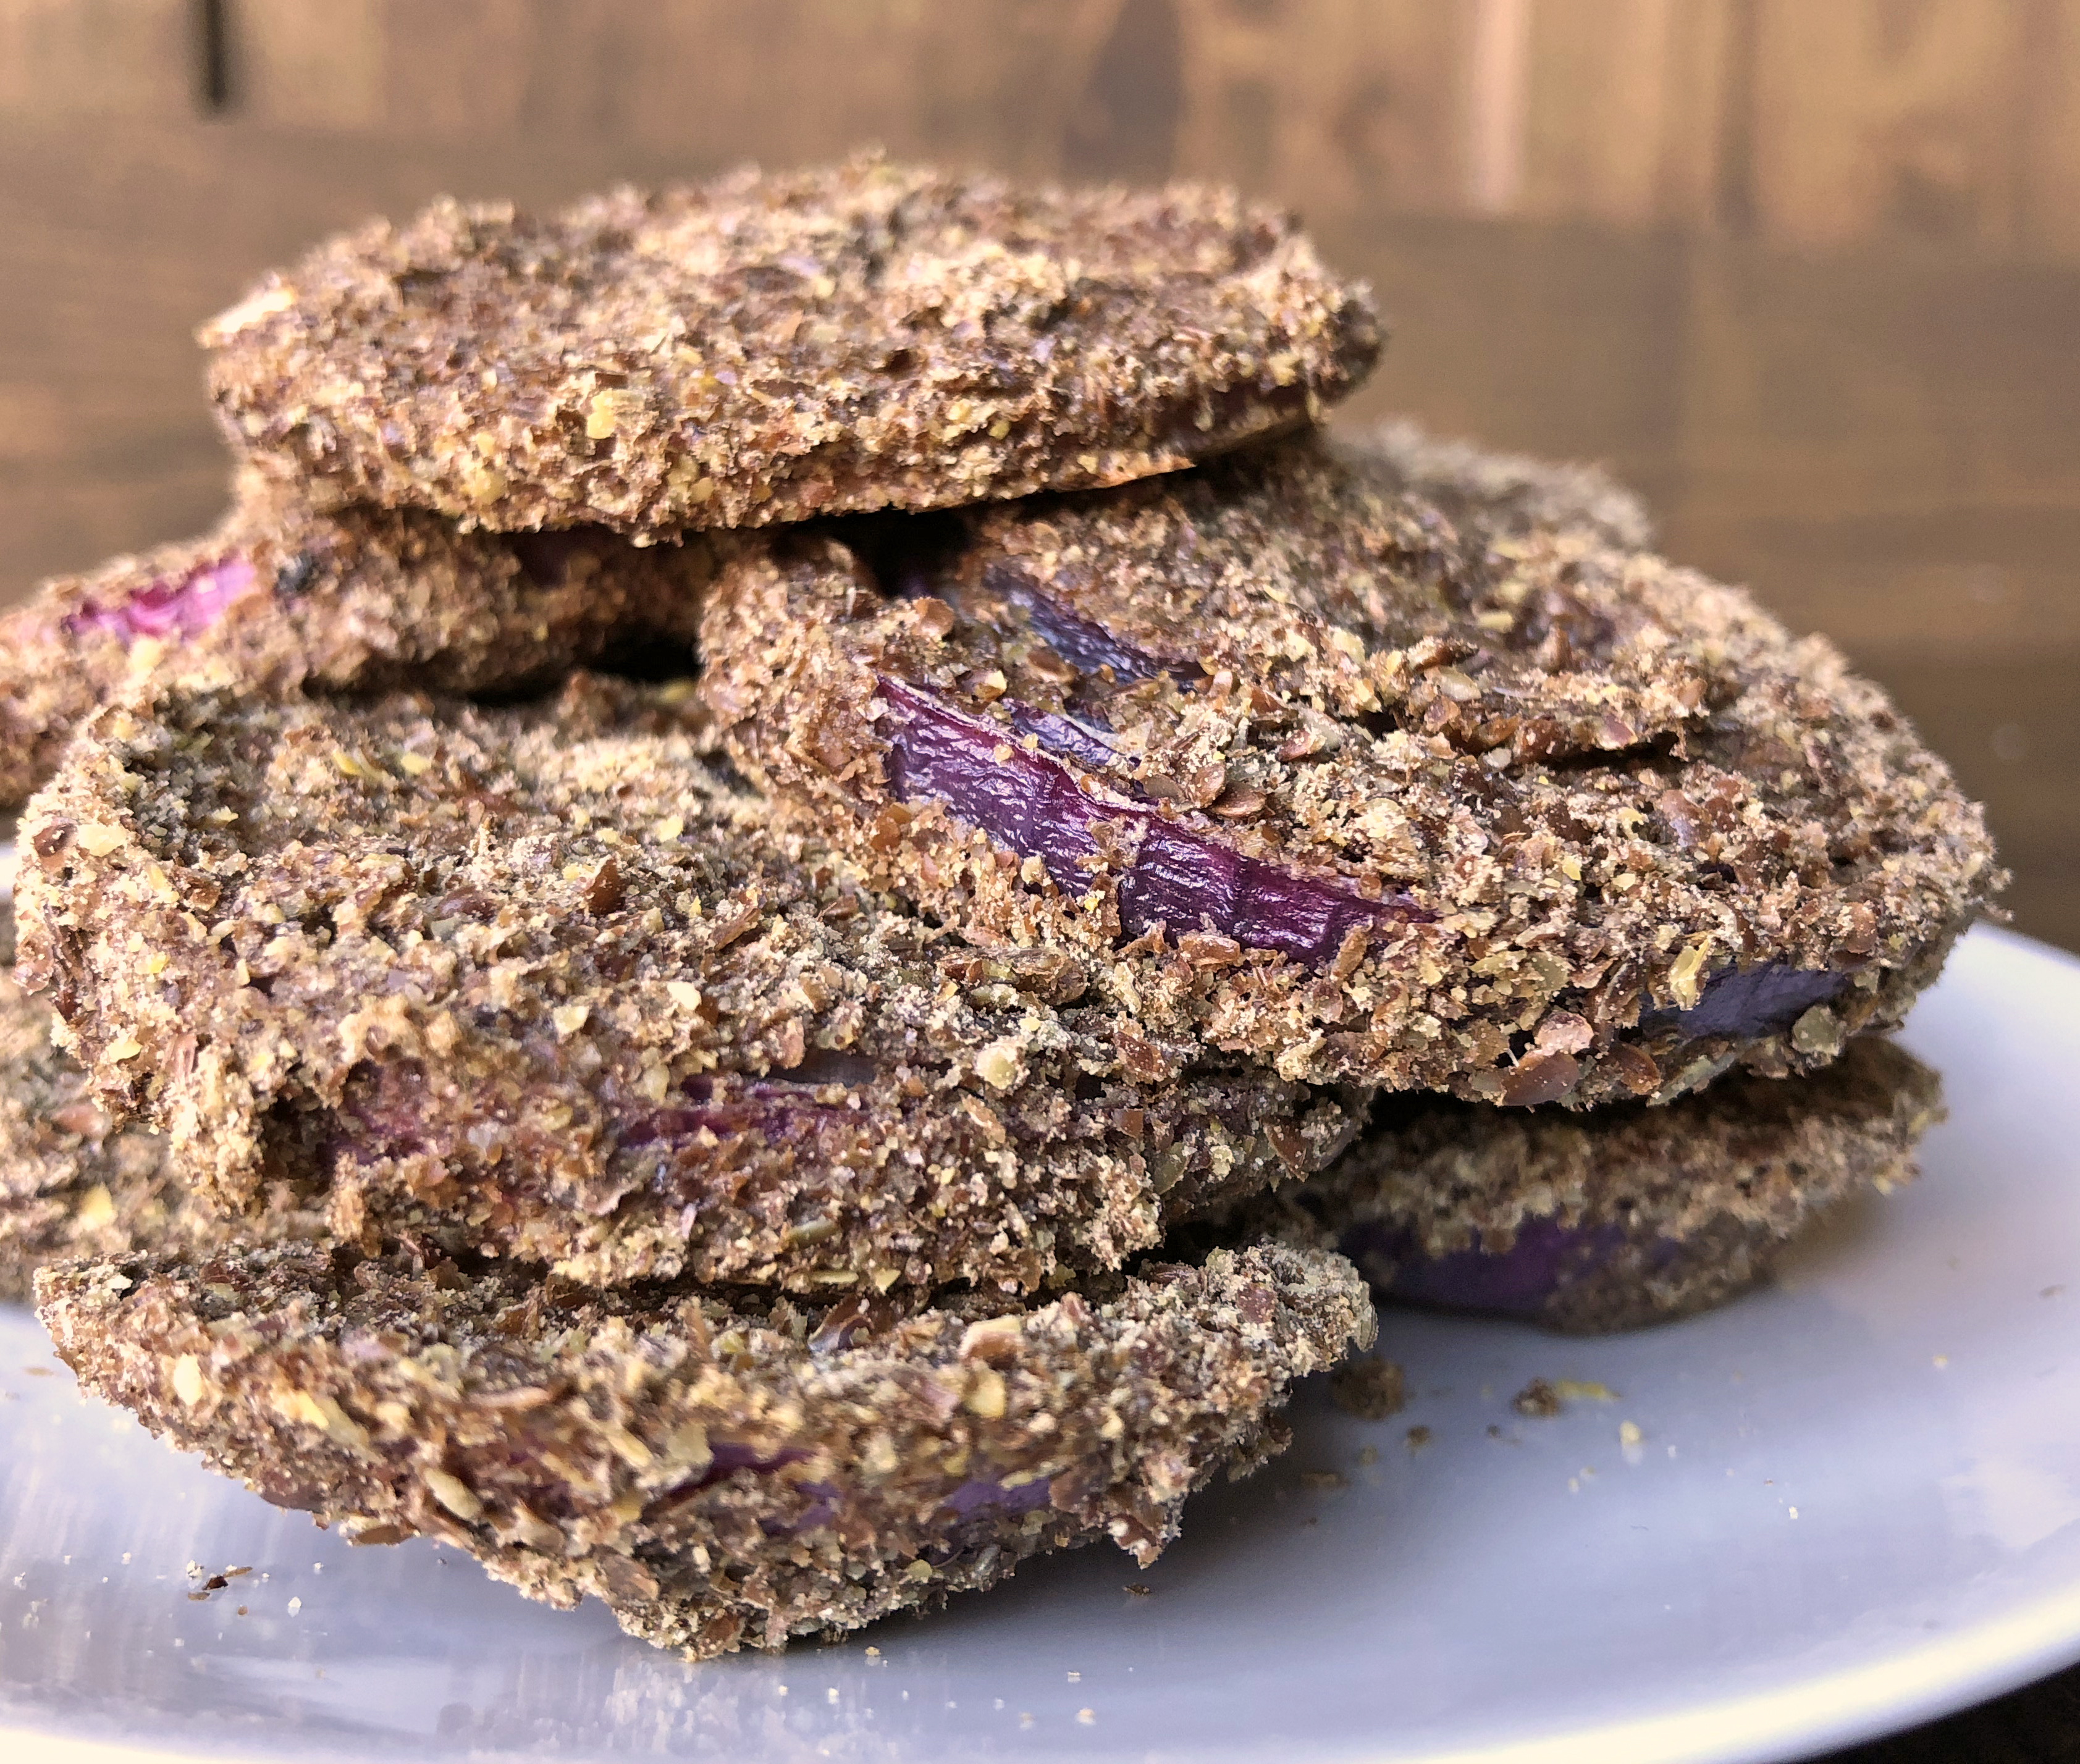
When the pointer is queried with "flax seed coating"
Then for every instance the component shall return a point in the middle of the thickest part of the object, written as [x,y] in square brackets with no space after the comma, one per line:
[543,981]
[73,1181]
[719,1470]
[1506,494]
[1610,1220]
[767,348]
[1315,774]
[361,599]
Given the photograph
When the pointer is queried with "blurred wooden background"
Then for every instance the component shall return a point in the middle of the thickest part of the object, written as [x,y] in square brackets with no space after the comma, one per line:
[1807,272]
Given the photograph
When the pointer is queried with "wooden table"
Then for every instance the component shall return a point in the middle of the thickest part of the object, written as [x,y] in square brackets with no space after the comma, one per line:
[1808,275]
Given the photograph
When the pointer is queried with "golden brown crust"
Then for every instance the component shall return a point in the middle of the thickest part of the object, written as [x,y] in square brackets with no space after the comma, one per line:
[719,1471]
[1612,1219]
[543,981]
[357,599]
[1537,818]
[768,348]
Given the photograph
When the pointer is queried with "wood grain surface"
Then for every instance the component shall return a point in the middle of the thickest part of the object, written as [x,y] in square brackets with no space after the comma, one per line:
[1807,275]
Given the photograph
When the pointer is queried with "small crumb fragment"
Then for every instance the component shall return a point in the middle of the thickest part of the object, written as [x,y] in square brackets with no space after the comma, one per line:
[1086,1717]
[1794,1512]
[1139,1590]
[1369,1454]
[1417,1438]
[1324,1479]
[1371,1389]
[605,889]
[1940,1361]
[1576,1390]
[1537,1400]
[295,1605]
[1629,1433]
[454,1494]
[998,1064]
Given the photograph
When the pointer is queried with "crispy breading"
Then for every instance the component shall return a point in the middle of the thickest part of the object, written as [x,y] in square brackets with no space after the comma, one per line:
[719,1470]
[1313,774]
[545,981]
[770,348]
[357,599]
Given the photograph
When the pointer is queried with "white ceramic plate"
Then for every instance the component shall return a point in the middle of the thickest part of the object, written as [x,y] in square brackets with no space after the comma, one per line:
[1855,1503]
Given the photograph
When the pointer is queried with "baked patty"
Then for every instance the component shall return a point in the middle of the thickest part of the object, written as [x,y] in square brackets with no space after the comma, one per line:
[359,598]
[719,1468]
[769,347]
[1622,1217]
[75,1181]
[544,981]
[1315,773]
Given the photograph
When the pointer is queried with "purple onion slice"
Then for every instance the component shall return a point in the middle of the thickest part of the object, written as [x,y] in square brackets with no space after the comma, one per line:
[179,607]
[1522,1280]
[1178,876]
[1747,1002]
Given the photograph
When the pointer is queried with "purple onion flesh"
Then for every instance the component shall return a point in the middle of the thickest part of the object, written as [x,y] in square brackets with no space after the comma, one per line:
[1086,645]
[179,607]
[1184,879]
[1545,1258]
[1744,1003]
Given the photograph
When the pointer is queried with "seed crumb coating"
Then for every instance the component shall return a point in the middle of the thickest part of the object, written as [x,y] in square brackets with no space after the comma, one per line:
[1507,494]
[721,1469]
[1611,1219]
[770,347]
[1317,776]
[360,598]
[543,981]
[74,1181]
